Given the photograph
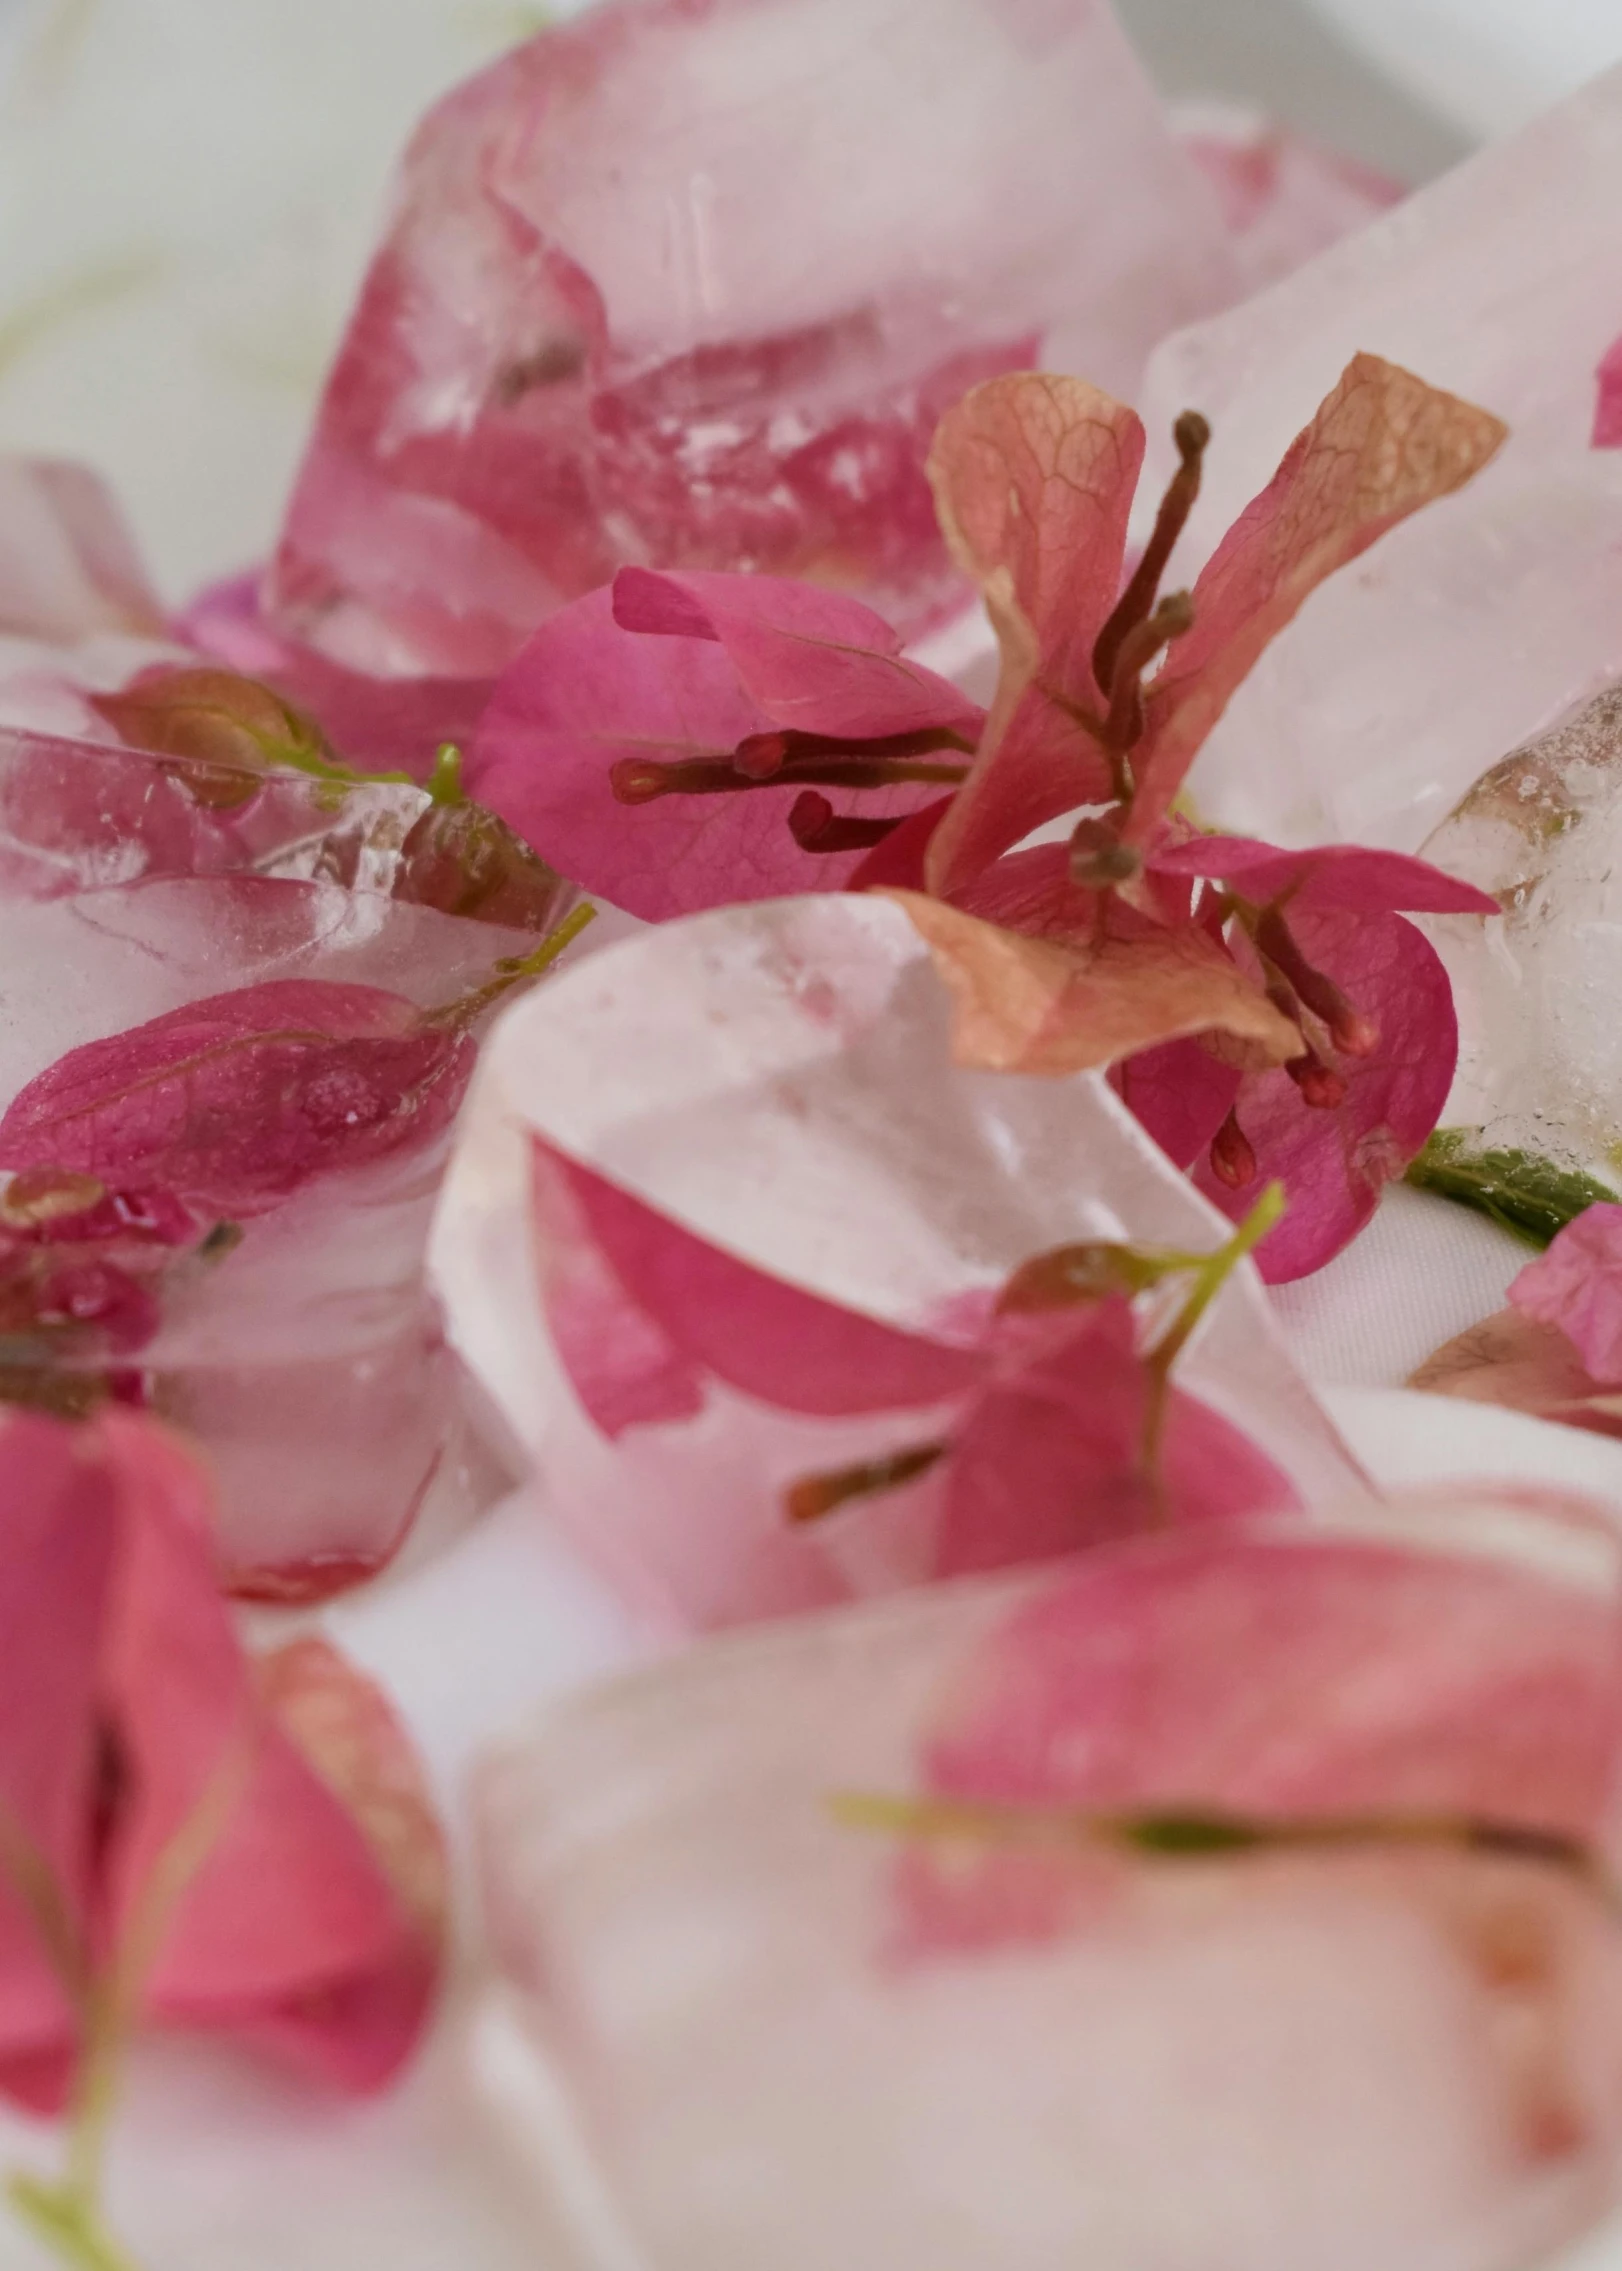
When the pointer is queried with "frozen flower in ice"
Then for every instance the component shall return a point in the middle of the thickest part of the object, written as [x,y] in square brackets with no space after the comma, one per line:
[299,1120]
[581,343]
[1284,1859]
[730,1235]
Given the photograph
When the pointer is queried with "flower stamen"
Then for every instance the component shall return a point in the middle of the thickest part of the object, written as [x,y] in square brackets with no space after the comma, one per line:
[1192,434]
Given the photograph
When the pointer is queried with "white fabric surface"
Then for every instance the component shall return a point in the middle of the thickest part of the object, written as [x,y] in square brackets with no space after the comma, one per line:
[1423,1271]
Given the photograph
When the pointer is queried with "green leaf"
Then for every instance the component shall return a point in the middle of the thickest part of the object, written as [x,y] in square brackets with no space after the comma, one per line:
[1518,1190]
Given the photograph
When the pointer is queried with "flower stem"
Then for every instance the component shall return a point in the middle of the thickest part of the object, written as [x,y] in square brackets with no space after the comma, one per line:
[69,2224]
[1211,1274]
[445,781]
[468,1008]
[1198,1833]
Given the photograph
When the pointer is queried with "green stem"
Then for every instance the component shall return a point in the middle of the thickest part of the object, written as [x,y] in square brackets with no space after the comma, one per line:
[1199,1834]
[68,2224]
[1211,1274]
[470,1007]
[445,781]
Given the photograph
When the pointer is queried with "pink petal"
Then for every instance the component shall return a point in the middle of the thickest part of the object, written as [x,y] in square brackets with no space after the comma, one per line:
[815,661]
[1335,1163]
[621,1362]
[1034,477]
[1333,879]
[1052,1458]
[162,1766]
[1608,407]
[898,862]
[334,1866]
[1283,198]
[585,694]
[1381,446]
[1181,1093]
[234,1101]
[1577,1287]
[1270,1677]
[68,564]
[531,394]
[775,1342]
[58,1541]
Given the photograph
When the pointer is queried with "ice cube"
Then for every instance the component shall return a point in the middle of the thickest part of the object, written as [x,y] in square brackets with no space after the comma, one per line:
[764,2040]
[1485,618]
[778,1079]
[691,287]
[308,1359]
[1540,1061]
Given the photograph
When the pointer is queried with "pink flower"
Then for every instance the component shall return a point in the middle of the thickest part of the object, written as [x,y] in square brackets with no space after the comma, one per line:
[189,1841]
[1577,1288]
[1049,1421]
[627,733]
[1321,933]
[1035,479]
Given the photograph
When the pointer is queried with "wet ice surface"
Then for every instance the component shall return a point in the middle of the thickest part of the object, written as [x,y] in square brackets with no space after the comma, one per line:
[1540,1064]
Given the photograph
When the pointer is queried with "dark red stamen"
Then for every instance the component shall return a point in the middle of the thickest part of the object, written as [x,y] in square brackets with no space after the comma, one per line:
[816,827]
[1351,1032]
[1191,434]
[1123,728]
[1320,1085]
[790,760]
[1233,1157]
[818,1495]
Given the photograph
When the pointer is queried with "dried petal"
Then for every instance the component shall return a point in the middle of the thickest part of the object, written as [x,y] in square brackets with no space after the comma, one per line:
[1517,1361]
[1381,446]
[1029,1005]
[1034,478]
[212,717]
